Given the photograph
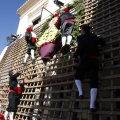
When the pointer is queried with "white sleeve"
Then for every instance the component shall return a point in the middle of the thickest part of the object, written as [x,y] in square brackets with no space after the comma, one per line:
[33,34]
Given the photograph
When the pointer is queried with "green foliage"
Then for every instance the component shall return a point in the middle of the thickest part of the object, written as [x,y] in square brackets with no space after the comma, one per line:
[75,4]
[58,11]
[36,52]
[78,5]
[45,26]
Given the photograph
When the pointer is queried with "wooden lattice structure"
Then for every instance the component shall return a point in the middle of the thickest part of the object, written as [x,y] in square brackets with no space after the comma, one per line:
[50,92]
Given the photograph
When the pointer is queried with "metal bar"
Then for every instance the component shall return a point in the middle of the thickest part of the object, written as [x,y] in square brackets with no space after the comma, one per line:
[46,10]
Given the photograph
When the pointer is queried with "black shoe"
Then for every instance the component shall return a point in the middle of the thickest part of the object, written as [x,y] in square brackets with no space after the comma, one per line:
[93,109]
[80,97]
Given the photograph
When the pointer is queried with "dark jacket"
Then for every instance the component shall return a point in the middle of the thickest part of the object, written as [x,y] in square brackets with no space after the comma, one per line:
[13,81]
[88,45]
[65,16]
[28,35]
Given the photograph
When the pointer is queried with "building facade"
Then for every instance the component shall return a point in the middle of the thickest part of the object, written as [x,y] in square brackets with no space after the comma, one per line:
[31,10]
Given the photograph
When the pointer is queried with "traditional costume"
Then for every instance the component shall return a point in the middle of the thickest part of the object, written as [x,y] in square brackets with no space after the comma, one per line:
[14,95]
[66,22]
[30,38]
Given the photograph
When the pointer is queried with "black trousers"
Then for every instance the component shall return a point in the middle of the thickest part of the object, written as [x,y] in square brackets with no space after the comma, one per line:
[30,47]
[13,102]
[91,66]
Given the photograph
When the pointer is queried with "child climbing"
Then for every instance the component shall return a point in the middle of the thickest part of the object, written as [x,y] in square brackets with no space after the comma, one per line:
[30,38]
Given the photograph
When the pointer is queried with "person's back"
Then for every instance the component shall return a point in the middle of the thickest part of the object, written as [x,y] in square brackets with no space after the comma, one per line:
[67,21]
[88,45]
[66,16]
[28,36]
[13,79]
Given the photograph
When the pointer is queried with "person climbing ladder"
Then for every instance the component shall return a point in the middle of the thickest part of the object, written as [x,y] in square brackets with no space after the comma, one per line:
[30,38]
[66,22]
[15,91]
[88,52]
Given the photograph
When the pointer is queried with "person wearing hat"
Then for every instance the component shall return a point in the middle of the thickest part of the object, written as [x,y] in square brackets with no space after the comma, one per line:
[15,91]
[30,38]
[67,21]
[88,52]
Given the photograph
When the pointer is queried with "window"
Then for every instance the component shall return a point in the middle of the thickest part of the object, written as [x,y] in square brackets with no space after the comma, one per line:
[36,21]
